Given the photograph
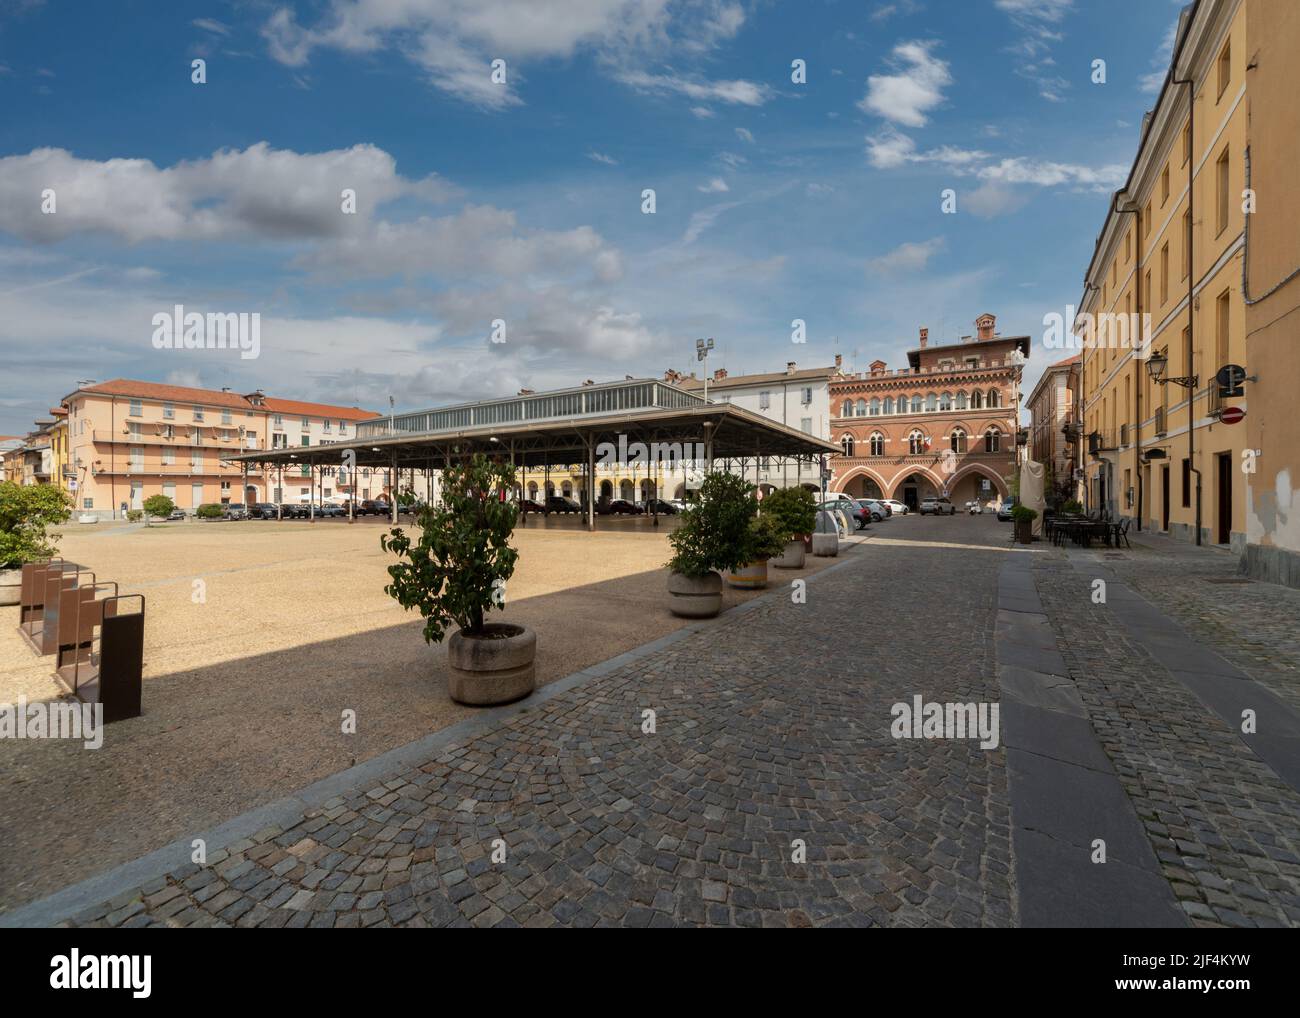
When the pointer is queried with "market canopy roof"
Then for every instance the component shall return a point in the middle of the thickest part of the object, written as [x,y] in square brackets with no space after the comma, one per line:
[559,427]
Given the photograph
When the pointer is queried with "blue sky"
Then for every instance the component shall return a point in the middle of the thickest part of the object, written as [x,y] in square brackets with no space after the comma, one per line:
[522,201]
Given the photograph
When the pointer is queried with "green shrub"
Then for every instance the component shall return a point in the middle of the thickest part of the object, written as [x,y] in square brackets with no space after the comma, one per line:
[767,538]
[26,510]
[714,534]
[453,574]
[1072,506]
[795,509]
[135,515]
[209,511]
[159,506]
[1023,514]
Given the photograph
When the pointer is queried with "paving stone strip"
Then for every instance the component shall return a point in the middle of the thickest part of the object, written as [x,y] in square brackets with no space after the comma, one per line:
[770,792]
[1223,824]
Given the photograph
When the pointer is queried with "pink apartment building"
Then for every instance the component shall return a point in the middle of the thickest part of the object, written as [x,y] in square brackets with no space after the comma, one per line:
[128,440]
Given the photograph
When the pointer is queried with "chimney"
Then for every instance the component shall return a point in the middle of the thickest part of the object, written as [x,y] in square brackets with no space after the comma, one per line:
[789,367]
[526,392]
[984,326]
[925,337]
[839,361]
[719,374]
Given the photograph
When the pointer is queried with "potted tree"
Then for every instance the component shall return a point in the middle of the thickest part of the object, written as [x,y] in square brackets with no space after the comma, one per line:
[796,511]
[1023,519]
[25,513]
[765,538]
[157,507]
[455,573]
[713,536]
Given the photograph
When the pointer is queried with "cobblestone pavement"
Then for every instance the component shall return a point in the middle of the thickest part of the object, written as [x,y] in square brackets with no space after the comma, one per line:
[1254,625]
[771,733]
[1224,826]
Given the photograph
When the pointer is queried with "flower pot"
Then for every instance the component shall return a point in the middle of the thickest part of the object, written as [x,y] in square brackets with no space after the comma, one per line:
[826,545]
[692,597]
[792,557]
[1024,531]
[749,577]
[496,666]
[10,586]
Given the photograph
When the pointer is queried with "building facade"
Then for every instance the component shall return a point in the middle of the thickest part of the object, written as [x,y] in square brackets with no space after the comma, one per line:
[1169,260]
[128,440]
[1053,436]
[1272,297]
[945,425]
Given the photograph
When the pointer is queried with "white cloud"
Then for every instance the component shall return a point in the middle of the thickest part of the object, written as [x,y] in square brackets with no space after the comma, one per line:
[704,219]
[211,25]
[992,199]
[1045,173]
[601,157]
[913,256]
[907,96]
[703,112]
[715,186]
[1151,81]
[737,92]
[455,41]
[744,135]
[238,195]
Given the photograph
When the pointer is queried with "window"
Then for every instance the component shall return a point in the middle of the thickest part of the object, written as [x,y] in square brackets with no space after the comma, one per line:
[805,425]
[931,402]
[1187,244]
[957,440]
[945,401]
[995,398]
[847,409]
[877,444]
[225,417]
[306,439]
[972,362]
[343,427]
[1146,221]
[277,421]
[196,458]
[168,456]
[764,400]
[916,404]
[862,408]
[1128,247]
[875,406]
[326,425]
[806,397]
[1114,272]
[1164,273]
[993,440]
[306,424]
[846,445]
[889,404]
[915,443]
[1221,349]
[961,401]
[1164,185]
[1225,69]
[1221,182]
[169,411]
[1187,142]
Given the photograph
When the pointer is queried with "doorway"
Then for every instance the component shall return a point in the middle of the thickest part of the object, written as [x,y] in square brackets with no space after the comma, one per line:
[1224,462]
[1164,499]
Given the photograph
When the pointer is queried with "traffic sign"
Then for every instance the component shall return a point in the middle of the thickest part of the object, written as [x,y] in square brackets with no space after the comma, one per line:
[1230,377]
[1232,415]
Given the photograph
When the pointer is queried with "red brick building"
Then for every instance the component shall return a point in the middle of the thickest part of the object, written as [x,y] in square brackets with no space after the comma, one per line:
[944,425]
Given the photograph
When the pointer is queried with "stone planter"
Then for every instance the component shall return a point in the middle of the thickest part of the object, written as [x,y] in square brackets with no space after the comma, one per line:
[792,557]
[496,667]
[826,545]
[749,577]
[1024,531]
[10,586]
[692,597]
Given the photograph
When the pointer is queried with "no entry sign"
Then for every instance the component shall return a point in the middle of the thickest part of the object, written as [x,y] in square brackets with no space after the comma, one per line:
[1232,415]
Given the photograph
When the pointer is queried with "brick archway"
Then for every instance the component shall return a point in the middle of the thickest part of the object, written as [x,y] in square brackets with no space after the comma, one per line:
[865,475]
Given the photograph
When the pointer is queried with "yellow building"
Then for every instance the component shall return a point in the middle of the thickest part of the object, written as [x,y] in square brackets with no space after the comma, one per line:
[60,471]
[1170,255]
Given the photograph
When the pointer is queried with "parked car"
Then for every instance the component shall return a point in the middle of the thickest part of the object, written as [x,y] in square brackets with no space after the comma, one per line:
[374,507]
[262,511]
[562,504]
[846,512]
[622,507]
[1004,510]
[235,511]
[177,514]
[899,508]
[531,505]
[974,508]
[876,512]
[658,505]
[333,510]
[936,505]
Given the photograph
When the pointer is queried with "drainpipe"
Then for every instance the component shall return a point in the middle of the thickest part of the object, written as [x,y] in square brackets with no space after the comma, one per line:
[1191,291]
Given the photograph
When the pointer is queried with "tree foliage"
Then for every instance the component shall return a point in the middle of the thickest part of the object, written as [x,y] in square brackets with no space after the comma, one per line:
[26,512]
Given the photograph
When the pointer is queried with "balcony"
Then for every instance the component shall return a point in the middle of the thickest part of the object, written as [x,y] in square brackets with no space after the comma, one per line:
[208,469]
[152,436]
